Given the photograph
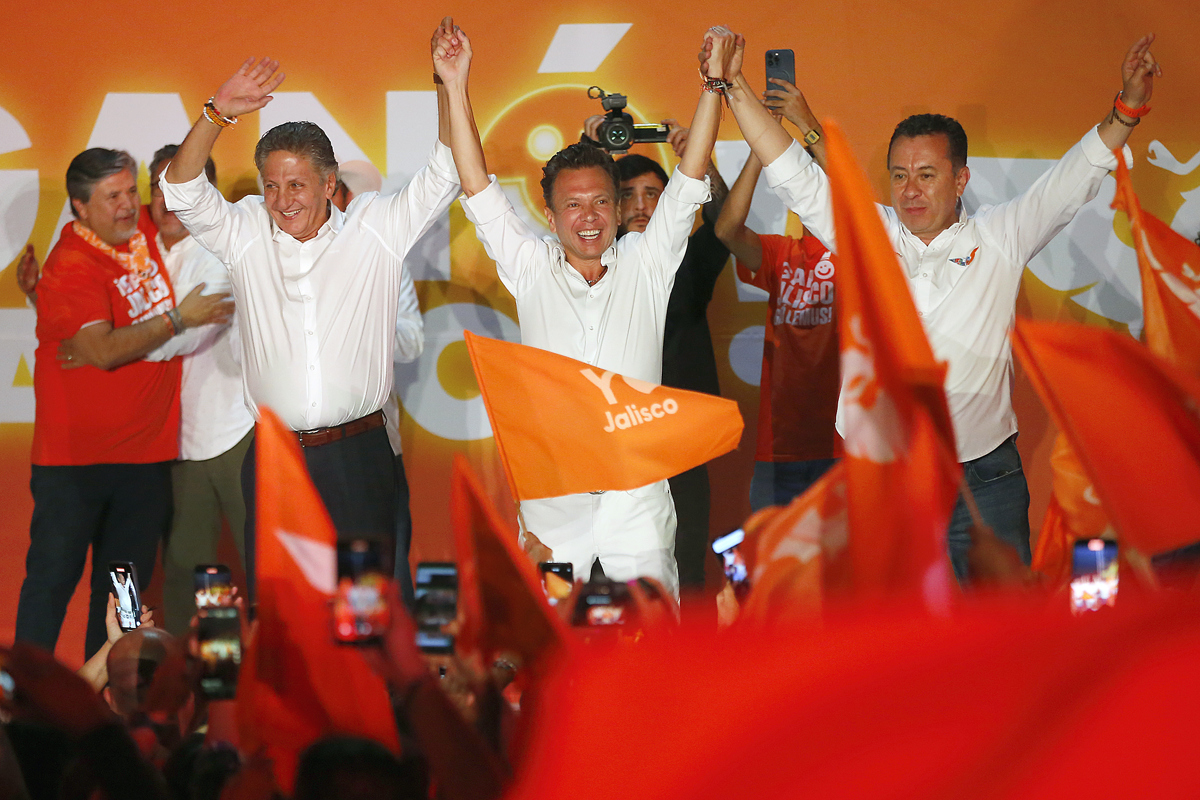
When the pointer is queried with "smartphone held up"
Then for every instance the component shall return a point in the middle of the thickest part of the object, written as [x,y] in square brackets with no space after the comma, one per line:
[436,591]
[360,610]
[1093,575]
[123,577]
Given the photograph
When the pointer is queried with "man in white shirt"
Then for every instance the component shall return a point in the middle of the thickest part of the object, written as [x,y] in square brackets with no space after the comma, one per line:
[964,271]
[215,427]
[317,292]
[586,297]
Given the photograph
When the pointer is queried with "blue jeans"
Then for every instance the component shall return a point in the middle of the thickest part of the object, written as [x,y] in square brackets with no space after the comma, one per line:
[1002,495]
[777,483]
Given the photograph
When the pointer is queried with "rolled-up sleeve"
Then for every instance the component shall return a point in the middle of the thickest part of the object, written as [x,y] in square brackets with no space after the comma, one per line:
[663,244]
[506,238]
[214,221]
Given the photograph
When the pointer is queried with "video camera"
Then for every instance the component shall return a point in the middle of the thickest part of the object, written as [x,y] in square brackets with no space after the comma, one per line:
[618,130]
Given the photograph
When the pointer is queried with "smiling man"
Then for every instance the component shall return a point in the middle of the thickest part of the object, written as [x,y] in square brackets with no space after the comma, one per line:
[586,295]
[963,269]
[317,291]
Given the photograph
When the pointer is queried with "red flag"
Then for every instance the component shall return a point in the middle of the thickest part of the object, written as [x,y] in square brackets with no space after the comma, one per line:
[296,684]
[1170,271]
[901,470]
[1131,418]
[564,427]
[501,595]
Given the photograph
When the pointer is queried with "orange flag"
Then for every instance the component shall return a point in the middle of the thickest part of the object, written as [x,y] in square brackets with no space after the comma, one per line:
[564,427]
[500,593]
[296,685]
[1074,513]
[1170,271]
[1132,419]
[902,473]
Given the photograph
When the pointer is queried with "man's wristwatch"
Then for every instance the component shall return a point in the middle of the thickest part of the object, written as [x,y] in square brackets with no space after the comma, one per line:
[811,138]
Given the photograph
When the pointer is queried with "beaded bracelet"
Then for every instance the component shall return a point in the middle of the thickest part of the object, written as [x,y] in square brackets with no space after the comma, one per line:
[212,115]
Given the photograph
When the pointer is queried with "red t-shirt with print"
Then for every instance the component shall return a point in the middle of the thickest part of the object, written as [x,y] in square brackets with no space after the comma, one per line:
[128,415]
[798,392]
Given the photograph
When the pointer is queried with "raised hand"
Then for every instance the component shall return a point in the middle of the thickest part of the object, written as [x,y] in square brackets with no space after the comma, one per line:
[721,56]
[1138,71]
[205,309]
[789,101]
[451,51]
[249,89]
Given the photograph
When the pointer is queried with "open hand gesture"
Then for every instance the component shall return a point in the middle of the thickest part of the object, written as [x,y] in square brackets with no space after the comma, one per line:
[1138,71]
[205,309]
[721,56]
[249,89]
[451,52]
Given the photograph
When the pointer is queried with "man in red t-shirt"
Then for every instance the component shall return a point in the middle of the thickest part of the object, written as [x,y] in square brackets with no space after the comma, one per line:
[107,423]
[798,392]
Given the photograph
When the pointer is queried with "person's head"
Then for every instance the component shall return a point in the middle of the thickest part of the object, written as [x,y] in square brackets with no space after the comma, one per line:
[102,187]
[642,183]
[927,164]
[299,173]
[142,659]
[350,768]
[168,224]
[579,187]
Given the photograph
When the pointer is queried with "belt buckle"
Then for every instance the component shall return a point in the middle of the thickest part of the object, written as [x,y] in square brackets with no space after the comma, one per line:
[602,491]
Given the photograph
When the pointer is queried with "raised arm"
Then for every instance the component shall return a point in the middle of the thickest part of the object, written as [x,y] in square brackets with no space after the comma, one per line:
[731,224]
[1138,71]
[722,45]
[789,101]
[248,90]
[452,62]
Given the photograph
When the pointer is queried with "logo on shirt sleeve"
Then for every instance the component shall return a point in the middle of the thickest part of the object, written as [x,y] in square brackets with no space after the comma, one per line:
[966,262]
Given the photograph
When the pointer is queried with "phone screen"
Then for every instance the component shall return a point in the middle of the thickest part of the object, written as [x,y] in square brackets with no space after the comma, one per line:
[436,593]
[728,550]
[1093,575]
[214,586]
[219,636]
[558,589]
[602,603]
[360,610]
[124,585]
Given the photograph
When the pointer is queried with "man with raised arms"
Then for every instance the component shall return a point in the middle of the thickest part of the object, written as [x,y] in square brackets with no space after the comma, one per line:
[964,270]
[585,295]
[317,290]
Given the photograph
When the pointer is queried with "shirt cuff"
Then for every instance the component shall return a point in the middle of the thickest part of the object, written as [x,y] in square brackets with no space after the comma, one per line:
[488,205]
[689,190]
[441,162]
[185,195]
[790,163]
[1098,154]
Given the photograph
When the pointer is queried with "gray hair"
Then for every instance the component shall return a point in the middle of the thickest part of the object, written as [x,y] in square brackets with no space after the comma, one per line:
[92,166]
[303,139]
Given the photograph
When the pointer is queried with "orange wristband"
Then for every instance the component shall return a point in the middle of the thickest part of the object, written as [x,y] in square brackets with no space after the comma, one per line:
[1136,113]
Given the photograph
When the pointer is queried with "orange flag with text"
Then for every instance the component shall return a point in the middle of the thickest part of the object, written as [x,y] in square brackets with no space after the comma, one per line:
[902,473]
[1132,419]
[504,608]
[296,685]
[564,427]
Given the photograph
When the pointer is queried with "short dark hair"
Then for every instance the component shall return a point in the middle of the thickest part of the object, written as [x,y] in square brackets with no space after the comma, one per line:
[351,768]
[304,139]
[167,152]
[580,155]
[92,166]
[635,165]
[932,124]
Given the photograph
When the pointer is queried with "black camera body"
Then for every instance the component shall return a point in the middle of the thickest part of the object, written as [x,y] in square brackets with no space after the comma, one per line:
[618,131]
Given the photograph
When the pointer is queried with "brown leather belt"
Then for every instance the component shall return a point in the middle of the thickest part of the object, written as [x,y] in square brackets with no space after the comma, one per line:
[320,436]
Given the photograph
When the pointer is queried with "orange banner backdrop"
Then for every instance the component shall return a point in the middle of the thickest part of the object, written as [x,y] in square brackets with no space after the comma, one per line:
[78,74]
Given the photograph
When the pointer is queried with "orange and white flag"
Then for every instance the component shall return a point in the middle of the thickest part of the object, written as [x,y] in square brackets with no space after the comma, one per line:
[296,684]
[1131,418]
[902,473]
[564,427]
[1074,513]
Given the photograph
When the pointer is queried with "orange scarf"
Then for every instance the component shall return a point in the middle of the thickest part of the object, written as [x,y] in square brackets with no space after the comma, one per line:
[137,260]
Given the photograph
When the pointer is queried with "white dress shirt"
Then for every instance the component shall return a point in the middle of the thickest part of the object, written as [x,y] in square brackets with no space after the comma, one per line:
[410,343]
[213,415]
[318,317]
[617,325]
[965,282]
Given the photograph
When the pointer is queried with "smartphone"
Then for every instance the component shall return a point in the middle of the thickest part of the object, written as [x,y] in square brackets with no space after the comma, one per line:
[602,603]
[557,590]
[214,586]
[781,64]
[732,562]
[7,684]
[123,576]
[360,611]
[436,594]
[1093,575]
[219,637]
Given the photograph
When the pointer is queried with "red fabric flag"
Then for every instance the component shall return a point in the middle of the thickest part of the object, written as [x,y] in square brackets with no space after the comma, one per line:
[1132,419]
[1010,698]
[504,608]
[1170,272]
[901,470]
[564,427]
[296,684]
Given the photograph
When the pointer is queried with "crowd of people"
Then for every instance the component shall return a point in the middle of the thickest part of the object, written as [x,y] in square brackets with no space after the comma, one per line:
[164,329]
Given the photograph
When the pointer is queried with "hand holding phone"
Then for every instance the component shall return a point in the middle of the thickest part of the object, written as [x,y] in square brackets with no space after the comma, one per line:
[732,562]
[214,587]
